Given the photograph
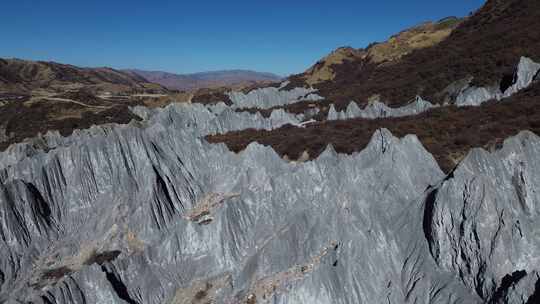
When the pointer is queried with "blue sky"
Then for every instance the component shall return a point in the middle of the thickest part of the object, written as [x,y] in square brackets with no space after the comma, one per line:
[277,36]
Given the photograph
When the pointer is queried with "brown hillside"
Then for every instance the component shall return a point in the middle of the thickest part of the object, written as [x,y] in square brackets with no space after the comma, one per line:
[24,76]
[486,46]
[391,51]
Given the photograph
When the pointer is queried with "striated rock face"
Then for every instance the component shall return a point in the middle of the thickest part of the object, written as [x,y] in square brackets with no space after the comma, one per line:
[198,119]
[378,109]
[152,213]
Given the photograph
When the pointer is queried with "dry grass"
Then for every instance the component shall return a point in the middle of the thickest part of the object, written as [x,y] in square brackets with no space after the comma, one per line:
[422,36]
[322,70]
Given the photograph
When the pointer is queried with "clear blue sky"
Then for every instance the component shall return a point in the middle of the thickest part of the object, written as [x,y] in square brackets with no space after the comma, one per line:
[189,36]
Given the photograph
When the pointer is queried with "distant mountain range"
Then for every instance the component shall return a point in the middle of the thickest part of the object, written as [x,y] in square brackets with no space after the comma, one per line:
[24,76]
[214,79]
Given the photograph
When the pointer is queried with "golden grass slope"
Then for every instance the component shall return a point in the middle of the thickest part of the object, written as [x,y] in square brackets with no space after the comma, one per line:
[418,37]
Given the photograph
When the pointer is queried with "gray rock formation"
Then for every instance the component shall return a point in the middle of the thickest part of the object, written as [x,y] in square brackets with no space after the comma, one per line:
[482,221]
[266,98]
[526,71]
[209,120]
[377,109]
[216,119]
[152,213]
[474,96]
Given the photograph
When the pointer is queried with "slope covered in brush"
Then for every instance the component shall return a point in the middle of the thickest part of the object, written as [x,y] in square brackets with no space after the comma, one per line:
[484,49]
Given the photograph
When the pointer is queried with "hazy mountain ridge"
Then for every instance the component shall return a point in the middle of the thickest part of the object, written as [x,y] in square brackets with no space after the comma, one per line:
[212,79]
[23,76]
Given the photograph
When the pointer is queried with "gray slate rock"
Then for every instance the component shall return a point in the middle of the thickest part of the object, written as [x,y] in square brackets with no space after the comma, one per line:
[152,213]
[482,221]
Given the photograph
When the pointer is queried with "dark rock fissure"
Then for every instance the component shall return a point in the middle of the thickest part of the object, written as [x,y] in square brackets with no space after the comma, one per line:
[429,207]
[175,192]
[479,279]
[42,207]
[507,281]
[118,286]
[162,212]
[535,297]
[46,300]
[537,76]
[162,187]
[507,81]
